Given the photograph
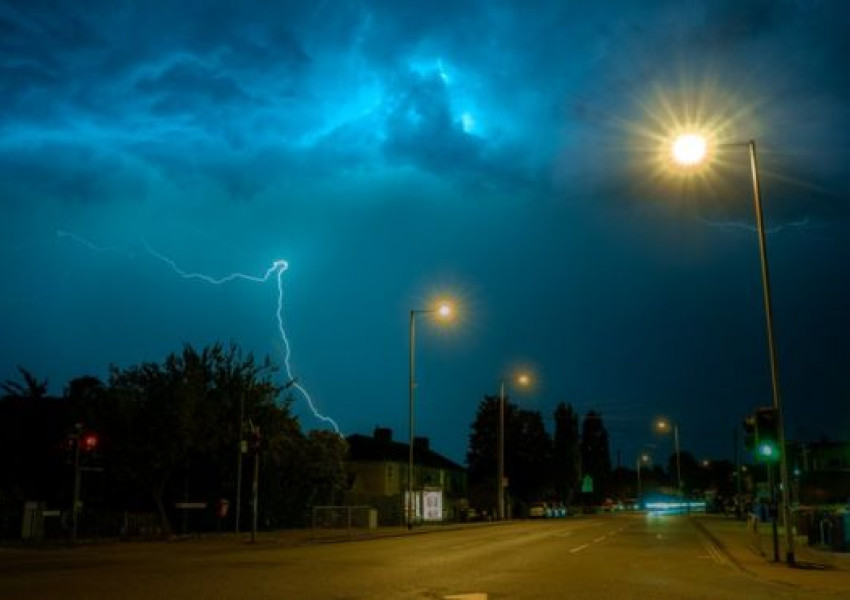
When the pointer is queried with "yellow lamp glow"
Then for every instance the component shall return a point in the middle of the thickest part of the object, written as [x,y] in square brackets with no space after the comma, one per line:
[689,149]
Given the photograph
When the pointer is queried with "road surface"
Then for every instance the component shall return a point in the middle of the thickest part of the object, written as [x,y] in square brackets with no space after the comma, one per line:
[604,556]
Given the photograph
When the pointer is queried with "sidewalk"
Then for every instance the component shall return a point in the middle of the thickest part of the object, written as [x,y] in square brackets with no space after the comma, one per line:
[752,553]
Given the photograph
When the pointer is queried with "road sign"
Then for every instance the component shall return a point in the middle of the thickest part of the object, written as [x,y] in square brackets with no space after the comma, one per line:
[587,485]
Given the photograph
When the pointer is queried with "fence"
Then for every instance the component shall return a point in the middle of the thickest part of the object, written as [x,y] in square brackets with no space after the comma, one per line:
[349,521]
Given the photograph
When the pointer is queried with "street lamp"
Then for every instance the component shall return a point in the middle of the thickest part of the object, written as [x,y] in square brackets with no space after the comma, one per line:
[664,426]
[524,380]
[768,310]
[443,311]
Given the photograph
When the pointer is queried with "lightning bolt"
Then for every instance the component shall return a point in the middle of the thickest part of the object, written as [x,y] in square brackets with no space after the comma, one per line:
[92,246]
[277,268]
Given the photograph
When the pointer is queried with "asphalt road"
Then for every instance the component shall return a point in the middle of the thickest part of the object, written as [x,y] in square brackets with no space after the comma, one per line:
[606,556]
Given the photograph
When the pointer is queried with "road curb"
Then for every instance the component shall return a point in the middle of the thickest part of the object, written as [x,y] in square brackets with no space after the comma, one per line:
[722,547]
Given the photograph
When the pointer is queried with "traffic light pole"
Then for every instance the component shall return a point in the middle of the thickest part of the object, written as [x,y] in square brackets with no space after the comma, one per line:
[771,481]
[774,367]
[240,451]
[256,493]
[77,482]
[255,443]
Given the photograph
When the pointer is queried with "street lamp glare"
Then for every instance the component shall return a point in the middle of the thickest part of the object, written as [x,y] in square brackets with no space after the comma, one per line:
[689,149]
[523,379]
[444,311]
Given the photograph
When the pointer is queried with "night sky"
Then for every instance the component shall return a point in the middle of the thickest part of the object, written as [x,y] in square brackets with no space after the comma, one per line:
[507,154]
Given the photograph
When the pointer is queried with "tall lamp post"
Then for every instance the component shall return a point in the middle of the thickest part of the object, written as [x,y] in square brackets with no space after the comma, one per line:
[443,311]
[641,460]
[664,426]
[524,380]
[692,149]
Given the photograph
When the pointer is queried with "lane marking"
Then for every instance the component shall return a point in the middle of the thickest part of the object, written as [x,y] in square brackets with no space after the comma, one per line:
[579,548]
[599,539]
[716,555]
[475,596]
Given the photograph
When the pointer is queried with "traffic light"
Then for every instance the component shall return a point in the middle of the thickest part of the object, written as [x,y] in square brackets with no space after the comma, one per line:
[749,425]
[89,442]
[767,435]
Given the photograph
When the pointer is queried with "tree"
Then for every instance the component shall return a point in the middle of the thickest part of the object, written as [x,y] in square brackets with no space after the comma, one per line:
[566,459]
[527,454]
[481,457]
[170,415]
[595,454]
[528,457]
[31,388]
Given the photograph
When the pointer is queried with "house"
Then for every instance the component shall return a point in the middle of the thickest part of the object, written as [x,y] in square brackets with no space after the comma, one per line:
[378,468]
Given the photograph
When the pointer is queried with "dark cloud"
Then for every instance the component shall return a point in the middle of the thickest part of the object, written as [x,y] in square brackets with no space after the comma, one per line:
[385,145]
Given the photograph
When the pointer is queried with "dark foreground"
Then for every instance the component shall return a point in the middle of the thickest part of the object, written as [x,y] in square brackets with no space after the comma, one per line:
[624,556]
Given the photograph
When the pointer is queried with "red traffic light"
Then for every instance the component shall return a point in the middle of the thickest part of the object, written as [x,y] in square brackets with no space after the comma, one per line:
[88,442]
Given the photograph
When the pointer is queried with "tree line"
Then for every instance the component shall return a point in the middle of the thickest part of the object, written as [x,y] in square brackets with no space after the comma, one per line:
[167,432]
[552,468]
[539,467]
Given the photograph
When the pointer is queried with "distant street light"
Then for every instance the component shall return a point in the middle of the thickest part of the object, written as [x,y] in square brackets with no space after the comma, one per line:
[444,312]
[664,426]
[693,157]
[523,379]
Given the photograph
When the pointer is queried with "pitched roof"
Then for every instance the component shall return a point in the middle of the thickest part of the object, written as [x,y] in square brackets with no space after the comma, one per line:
[369,448]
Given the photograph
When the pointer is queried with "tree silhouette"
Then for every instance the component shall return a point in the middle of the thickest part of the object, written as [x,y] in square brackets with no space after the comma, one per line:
[595,454]
[31,388]
[527,454]
[566,459]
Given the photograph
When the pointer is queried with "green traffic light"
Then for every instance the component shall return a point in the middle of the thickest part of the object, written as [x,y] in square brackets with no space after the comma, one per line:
[768,451]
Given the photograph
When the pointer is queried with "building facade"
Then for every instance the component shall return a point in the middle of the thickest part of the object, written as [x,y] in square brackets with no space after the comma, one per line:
[378,475]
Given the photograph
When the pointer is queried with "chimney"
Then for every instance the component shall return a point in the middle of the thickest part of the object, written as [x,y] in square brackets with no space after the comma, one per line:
[383,435]
[421,445]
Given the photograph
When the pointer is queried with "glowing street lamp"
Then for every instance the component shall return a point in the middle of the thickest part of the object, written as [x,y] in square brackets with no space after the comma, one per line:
[685,152]
[690,149]
[443,311]
[664,426]
[524,380]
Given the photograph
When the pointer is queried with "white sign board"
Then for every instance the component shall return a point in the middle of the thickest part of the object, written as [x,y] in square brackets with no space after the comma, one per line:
[433,505]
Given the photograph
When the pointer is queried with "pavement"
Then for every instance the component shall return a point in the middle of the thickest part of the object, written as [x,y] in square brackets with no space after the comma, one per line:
[751,552]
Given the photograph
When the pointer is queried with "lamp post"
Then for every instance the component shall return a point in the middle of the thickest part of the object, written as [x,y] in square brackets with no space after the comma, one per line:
[697,153]
[524,380]
[443,311]
[642,459]
[663,425]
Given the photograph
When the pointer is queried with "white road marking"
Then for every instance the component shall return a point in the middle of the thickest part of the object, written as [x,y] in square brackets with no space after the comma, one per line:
[599,539]
[715,554]
[579,548]
[475,596]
